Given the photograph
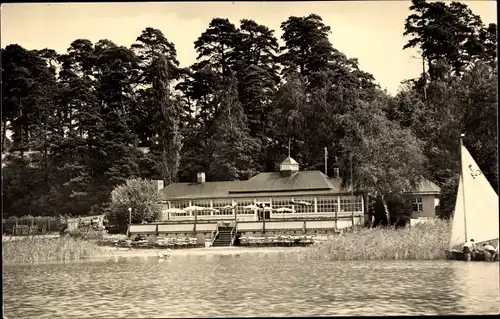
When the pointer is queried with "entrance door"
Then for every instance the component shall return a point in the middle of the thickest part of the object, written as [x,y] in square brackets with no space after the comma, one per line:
[261,214]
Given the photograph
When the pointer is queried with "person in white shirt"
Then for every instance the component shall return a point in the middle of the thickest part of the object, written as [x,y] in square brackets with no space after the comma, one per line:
[489,252]
[469,250]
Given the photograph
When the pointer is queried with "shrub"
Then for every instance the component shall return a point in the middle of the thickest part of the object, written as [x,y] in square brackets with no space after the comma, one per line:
[87,233]
[32,250]
[421,242]
[139,194]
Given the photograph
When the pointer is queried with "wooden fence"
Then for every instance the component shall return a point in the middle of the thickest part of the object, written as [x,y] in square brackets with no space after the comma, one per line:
[31,226]
[28,225]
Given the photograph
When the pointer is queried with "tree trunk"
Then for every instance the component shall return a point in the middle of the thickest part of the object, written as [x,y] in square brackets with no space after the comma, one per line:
[425,77]
[4,135]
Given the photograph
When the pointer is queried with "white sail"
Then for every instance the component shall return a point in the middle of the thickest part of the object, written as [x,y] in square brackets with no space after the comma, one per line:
[458,224]
[481,205]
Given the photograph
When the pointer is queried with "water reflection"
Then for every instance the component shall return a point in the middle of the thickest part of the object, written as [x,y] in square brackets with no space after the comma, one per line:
[247,285]
[477,284]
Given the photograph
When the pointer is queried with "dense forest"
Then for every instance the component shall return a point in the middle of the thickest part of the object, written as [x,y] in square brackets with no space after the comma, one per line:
[81,120]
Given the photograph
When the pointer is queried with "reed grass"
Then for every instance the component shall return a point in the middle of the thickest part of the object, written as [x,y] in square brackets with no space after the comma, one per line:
[34,250]
[420,242]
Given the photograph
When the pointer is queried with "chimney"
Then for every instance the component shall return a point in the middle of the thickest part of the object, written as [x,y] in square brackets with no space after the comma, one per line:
[161,184]
[336,172]
[200,178]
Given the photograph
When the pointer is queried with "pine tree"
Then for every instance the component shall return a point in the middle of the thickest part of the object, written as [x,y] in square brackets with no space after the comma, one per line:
[159,67]
[231,146]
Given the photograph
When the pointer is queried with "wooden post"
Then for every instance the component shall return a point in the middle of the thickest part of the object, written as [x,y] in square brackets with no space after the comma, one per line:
[366,216]
[336,212]
[352,218]
[195,219]
[263,222]
[352,196]
[336,218]
[235,211]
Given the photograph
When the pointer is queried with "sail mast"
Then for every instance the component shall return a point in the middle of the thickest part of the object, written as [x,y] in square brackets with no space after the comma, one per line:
[463,185]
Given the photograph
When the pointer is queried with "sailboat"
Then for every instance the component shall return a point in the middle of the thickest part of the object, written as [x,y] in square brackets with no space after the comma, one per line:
[476,209]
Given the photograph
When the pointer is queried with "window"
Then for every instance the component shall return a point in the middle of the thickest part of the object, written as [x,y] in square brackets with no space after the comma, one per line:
[327,204]
[304,208]
[179,205]
[282,203]
[416,204]
[242,203]
[348,204]
[204,204]
[219,203]
[264,202]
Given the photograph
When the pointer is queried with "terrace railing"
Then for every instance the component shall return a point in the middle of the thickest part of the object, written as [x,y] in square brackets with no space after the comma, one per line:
[215,233]
[233,234]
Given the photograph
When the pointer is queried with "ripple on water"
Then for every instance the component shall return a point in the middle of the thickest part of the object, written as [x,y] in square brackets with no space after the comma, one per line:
[247,285]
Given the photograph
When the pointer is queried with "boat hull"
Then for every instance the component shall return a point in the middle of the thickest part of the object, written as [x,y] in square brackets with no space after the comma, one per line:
[478,256]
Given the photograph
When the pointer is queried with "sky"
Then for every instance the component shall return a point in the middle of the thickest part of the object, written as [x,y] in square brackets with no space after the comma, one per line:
[370,31]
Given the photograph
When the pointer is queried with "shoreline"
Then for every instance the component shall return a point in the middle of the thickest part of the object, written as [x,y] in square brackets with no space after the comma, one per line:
[210,251]
[362,245]
[112,253]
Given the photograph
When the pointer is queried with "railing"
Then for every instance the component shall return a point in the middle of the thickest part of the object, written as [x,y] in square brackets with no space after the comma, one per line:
[215,233]
[233,234]
[246,218]
[245,226]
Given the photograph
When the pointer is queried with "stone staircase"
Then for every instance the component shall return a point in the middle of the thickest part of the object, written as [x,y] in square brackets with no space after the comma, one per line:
[223,237]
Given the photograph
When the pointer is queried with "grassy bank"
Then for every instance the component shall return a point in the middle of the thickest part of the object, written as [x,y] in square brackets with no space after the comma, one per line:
[31,250]
[421,242]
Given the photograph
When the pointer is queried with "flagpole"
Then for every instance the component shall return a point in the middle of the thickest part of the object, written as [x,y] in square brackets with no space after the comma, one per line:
[326,159]
[289,142]
[463,183]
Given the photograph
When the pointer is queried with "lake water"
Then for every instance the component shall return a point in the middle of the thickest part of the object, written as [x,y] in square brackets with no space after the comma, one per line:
[252,284]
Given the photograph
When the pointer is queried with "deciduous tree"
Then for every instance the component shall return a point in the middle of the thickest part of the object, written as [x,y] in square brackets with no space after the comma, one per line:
[139,194]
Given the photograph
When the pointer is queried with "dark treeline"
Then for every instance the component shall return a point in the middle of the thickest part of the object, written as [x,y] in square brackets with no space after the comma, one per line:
[80,120]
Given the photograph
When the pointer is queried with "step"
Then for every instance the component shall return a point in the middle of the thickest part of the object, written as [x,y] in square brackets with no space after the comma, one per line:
[223,238]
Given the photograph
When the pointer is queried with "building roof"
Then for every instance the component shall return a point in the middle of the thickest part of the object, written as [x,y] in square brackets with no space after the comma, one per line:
[197,190]
[427,187]
[302,183]
[289,161]
[263,184]
[275,182]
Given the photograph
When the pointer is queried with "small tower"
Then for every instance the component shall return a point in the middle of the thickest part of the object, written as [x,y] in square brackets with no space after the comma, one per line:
[288,167]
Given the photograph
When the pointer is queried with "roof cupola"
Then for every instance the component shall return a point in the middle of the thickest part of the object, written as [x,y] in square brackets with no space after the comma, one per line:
[289,166]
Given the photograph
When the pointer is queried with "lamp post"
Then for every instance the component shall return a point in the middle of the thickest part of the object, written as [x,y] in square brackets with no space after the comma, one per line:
[129,220]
